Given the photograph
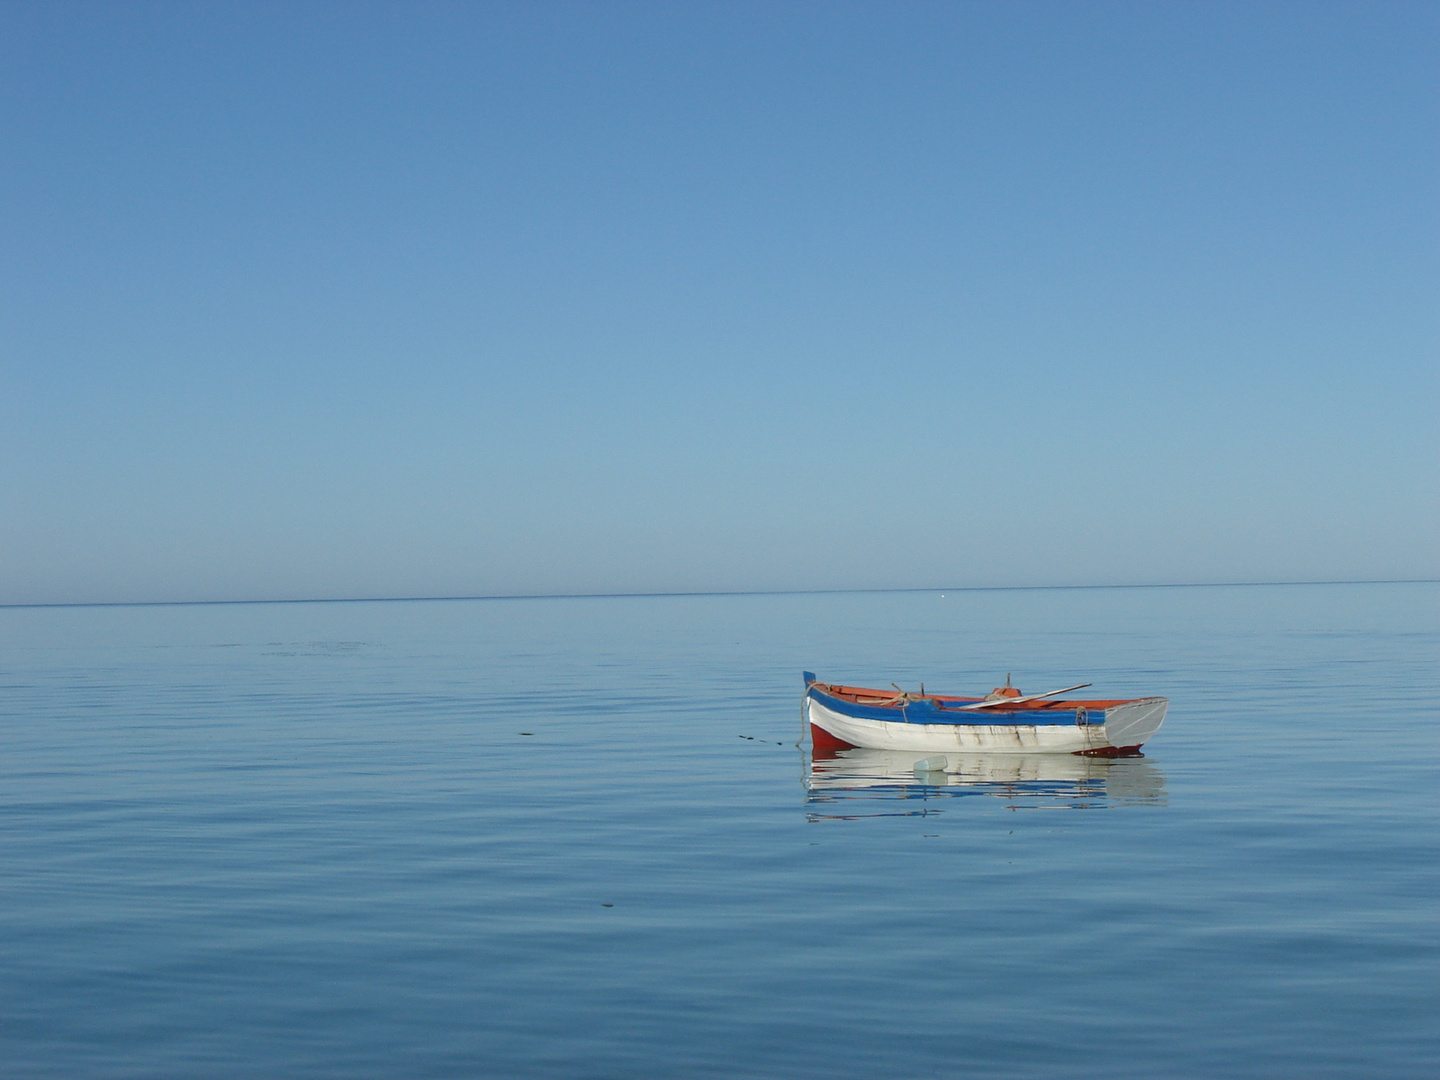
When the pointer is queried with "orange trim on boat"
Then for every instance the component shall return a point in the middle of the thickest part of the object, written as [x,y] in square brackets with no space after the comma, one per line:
[862,695]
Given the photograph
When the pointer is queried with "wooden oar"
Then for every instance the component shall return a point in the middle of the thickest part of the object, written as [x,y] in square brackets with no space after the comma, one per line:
[1021,700]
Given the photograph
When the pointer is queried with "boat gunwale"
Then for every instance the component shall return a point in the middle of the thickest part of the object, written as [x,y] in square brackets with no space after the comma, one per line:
[881,699]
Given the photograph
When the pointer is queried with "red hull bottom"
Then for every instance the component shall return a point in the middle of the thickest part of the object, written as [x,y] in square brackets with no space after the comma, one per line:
[823,744]
[1111,751]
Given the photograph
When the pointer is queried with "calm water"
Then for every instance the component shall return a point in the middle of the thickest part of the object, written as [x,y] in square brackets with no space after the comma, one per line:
[317,840]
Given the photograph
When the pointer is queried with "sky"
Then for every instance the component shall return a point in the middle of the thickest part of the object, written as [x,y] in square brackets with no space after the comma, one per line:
[370,300]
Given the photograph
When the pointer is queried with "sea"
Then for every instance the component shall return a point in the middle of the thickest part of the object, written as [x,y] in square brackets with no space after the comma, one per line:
[584,838]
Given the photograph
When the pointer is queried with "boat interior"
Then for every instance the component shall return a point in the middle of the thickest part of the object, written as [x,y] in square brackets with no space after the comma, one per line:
[861,695]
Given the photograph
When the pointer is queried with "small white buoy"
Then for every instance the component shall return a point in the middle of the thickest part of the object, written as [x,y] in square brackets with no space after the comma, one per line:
[930,765]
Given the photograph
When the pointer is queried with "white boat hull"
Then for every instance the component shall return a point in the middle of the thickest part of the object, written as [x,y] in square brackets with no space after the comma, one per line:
[1125,727]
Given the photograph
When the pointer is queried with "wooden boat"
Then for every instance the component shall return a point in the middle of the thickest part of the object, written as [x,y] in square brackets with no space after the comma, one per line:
[1005,720]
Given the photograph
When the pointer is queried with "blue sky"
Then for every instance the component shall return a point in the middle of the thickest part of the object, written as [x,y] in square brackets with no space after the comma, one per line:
[391,300]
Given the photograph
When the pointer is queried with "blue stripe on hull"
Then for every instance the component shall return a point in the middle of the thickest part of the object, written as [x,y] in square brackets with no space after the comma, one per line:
[925,712]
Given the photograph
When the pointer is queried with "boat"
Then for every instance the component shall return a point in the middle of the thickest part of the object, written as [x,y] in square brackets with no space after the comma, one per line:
[1003,721]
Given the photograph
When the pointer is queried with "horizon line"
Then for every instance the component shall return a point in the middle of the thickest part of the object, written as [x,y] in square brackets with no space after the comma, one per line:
[718,592]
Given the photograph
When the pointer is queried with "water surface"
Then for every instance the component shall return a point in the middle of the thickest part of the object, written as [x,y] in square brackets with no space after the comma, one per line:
[576,838]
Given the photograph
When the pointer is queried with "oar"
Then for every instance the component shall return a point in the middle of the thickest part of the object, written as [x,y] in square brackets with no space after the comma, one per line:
[1021,700]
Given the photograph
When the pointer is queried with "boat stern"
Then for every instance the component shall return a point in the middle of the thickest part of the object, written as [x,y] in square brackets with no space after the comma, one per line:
[1129,725]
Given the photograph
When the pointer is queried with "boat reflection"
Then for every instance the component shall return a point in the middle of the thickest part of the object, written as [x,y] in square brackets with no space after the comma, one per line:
[846,784]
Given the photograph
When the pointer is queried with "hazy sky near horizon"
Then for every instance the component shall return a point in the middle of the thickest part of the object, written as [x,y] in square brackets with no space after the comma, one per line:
[335,300]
